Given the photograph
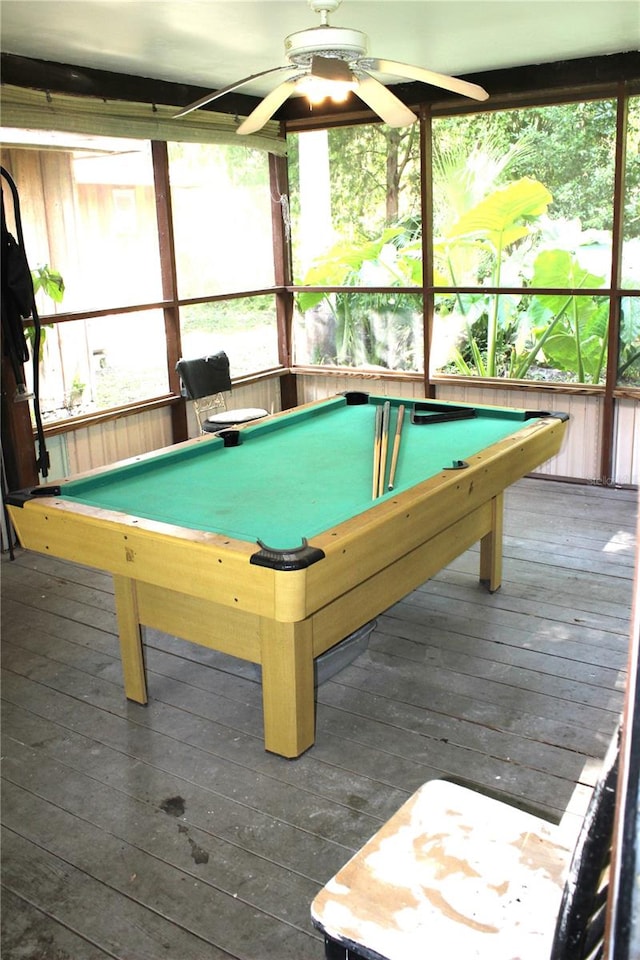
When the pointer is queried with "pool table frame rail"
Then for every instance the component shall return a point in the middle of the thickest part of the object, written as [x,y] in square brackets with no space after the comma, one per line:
[201,586]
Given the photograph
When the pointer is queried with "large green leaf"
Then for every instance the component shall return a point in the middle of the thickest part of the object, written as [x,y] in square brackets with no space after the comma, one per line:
[559,268]
[307,301]
[629,336]
[560,349]
[580,351]
[345,258]
[630,319]
[344,262]
[498,218]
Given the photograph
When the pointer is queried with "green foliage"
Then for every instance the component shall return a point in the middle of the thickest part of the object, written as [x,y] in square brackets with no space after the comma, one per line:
[629,357]
[504,334]
[570,148]
[344,264]
[498,241]
[502,218]
[52,285]
[522,198]
[49,281]
[363,322]
[492,227]
[373,174]
[361,181]
[465,173]
[569,332]
[579,345]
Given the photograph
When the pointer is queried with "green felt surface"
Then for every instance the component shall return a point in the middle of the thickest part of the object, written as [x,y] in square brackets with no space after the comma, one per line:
[292,477]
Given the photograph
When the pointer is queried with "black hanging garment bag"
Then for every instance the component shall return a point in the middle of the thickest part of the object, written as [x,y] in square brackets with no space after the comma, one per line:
[18,305]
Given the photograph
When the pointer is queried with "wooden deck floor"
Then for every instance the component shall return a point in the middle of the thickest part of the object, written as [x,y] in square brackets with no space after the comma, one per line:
[167,831]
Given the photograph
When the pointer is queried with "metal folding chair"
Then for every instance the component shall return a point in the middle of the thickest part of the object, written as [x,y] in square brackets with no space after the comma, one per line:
[205,381]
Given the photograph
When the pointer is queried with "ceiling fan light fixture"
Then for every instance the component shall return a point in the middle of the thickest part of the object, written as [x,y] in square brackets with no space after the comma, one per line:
[316,89]
[328,78]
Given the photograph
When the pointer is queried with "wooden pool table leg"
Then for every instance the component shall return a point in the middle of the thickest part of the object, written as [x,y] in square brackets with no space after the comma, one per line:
[130,633]
[288,695]
[491,548]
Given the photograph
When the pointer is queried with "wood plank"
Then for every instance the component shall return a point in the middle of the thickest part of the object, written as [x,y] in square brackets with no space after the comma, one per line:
[95,910]
[565,654]
[28,931]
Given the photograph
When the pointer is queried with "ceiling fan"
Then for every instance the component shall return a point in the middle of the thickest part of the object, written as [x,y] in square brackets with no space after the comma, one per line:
[328,61]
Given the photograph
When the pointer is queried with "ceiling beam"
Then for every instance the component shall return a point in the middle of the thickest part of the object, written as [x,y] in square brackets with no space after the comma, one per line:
[540,78]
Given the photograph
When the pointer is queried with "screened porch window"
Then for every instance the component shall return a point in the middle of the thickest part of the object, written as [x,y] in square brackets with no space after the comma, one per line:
[221,204]
[356,222]
[523,215]
[88,217]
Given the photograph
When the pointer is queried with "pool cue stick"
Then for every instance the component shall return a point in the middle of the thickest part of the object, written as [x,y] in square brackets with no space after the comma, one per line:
[396,446]
[386,412]
[377,437]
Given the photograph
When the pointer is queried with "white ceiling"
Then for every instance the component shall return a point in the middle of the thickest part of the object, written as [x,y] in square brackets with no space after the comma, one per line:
[210,43]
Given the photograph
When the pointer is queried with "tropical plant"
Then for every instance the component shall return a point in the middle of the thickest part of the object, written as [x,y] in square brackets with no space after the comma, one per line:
[365,322]
[569,331]
[508,239]
[49,281]
[484,234]
[563,142]
[629,356]
[490,236]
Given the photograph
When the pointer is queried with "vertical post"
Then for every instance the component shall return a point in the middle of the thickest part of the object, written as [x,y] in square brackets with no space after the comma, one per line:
[615,301]
[164,218]
[130,634]
[426,196]
[281,231]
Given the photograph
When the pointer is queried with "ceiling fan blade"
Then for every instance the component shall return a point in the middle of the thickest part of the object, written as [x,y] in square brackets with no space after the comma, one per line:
[462,87]
[210,97]
[384,103]
[265,110]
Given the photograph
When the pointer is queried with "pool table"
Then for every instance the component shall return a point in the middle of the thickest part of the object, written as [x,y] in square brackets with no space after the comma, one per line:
[267,542]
